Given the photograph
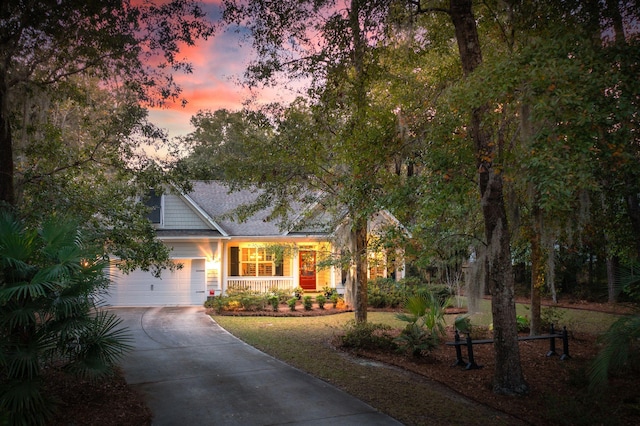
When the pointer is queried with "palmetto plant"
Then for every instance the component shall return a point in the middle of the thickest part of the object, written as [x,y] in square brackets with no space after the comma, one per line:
[425,315]
[621,343]
[49,281]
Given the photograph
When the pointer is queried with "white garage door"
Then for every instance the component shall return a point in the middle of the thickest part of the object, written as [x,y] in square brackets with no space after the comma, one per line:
[184,286]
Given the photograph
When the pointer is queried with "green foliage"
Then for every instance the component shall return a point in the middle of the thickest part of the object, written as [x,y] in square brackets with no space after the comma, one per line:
[221,303]
[249,300]
[621,348]
[321,300]
[252,301]
[76,127]
[274,301]
[334,299]
[298,292]
[282,294]
[425,315]
[49,281]
[551,315]
[629,280]
[463,323]
[216,303]
[328,291]
[365,335]
[292,303]
[386,293]
[442,293]
[416,339]
[307,303]
[522,323]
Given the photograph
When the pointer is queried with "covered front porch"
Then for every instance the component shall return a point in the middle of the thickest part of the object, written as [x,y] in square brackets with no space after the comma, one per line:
[283,266]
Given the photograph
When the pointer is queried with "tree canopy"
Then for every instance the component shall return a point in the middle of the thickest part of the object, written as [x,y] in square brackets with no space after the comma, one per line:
[75,78]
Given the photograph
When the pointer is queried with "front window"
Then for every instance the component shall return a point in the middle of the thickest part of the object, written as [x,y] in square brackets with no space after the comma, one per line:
[256,262]
[377,266]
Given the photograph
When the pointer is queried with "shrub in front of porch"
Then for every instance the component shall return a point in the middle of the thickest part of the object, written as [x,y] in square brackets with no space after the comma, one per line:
[307,302]
[335,297]
[274,302]
[282,294]
[240,299]
[292,303]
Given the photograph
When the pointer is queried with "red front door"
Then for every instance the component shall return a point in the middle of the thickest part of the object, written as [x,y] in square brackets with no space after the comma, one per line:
[308,270]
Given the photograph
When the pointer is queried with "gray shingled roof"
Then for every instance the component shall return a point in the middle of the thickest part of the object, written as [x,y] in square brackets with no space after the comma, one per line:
[216,200]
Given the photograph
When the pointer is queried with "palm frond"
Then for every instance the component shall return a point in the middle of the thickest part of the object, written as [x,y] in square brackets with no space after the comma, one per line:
[100,346]
[48,282]
[619,343]
[25,403]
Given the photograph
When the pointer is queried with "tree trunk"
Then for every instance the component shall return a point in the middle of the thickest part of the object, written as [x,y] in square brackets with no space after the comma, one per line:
[508,378]
[361,301]
[551,267]
[612,290]
[7,194]
[537,257]
[360,106]
[613,12]
[633,210]
[350,285]
[537,280]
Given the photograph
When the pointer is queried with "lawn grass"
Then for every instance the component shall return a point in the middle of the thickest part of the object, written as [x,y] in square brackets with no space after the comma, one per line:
[576,320]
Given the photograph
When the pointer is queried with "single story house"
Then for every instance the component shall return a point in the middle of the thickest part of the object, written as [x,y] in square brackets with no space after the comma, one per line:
[218,253]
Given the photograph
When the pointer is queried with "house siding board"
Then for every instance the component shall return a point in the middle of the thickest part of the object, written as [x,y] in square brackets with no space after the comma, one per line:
[287,266]
[191,249]
[323,278]
[178,215]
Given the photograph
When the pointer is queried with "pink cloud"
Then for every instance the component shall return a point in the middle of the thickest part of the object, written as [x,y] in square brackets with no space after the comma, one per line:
[218,64]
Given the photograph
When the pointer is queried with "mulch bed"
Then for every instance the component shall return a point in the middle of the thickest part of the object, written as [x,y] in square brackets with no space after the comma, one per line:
[109,402]
[558,389]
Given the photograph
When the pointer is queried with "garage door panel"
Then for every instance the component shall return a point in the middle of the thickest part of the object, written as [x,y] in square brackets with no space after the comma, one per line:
[183,286]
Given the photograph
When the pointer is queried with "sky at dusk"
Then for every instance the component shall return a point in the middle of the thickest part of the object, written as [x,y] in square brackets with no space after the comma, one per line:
[218,64]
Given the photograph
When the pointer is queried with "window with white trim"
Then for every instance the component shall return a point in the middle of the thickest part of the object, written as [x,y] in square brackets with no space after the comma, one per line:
[256,262]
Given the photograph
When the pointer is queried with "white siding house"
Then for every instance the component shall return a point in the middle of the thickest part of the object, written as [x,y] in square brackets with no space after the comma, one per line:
[217,253]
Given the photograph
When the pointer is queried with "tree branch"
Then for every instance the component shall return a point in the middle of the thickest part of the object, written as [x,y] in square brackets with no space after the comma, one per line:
[420,10]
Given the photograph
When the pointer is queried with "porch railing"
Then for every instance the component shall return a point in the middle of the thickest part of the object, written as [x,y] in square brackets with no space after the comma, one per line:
[260,284]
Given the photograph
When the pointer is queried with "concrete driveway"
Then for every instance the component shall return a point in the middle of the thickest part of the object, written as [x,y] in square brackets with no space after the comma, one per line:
[192,372]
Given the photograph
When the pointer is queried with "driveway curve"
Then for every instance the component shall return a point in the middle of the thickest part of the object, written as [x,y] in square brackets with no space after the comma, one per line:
[192,372]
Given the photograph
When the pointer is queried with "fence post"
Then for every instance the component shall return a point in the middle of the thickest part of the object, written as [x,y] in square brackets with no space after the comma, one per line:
[565,344]
[471,365]
[552,342]
[459,361]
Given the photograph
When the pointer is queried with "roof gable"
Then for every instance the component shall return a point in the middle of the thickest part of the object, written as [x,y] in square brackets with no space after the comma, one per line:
[179,214]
